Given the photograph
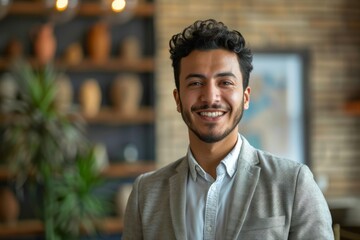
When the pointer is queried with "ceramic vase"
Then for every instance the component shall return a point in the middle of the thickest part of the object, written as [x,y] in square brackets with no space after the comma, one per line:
[90,97]
[8,91]
[45,44]
[74,54]
[131,49]
[64,93]
[9,207]
[101,157]
[126,92]
[8,86]
[99,42]
[130,152]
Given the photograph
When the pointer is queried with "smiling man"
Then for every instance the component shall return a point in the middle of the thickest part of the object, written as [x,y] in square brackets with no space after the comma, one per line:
[223,188]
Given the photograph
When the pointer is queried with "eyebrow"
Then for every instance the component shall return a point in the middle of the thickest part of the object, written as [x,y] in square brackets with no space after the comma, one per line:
[198,75]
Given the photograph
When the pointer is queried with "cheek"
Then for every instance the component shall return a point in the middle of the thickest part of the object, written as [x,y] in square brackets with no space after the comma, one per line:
[187,100]
[236,99]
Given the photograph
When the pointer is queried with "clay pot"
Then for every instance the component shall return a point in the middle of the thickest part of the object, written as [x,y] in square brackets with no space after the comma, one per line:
[90,98]
[126,92]
[74,54]
[45,44]
[99,42]
[9,207]
[64,94]
[131,49]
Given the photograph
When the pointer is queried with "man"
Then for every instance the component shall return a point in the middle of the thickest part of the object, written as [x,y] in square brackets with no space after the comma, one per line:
[223,188]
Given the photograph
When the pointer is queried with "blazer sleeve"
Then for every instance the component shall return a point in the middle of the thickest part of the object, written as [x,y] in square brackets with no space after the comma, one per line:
[132,220]
[311,217]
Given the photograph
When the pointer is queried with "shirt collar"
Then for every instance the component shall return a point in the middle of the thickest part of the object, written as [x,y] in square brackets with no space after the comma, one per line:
[230,161]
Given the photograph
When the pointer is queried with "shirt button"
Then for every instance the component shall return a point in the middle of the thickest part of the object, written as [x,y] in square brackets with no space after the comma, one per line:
[209,229]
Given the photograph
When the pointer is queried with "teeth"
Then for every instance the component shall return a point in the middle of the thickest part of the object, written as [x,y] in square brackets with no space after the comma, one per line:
[211,114]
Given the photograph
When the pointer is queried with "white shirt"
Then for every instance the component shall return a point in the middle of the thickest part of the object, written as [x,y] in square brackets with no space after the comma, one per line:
[207,199]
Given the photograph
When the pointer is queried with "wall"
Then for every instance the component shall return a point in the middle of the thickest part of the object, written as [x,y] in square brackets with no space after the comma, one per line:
[328,30]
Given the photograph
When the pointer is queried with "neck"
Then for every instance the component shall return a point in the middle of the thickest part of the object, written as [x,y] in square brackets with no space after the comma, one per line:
[209,155]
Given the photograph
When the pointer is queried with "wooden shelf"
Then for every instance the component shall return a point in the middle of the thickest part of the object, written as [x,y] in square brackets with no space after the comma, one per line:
[114,170]
[35,227]
[108,116]
[123,170]
[84,9]
[111,117]
[353,107]
[22,228]
[111,65]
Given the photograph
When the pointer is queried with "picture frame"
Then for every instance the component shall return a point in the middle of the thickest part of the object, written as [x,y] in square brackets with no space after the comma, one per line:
[277,119]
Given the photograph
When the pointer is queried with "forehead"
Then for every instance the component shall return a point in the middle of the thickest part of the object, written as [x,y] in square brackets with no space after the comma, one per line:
[209,62]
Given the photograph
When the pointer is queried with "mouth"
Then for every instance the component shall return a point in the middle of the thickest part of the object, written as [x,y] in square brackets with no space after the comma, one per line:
[211,114]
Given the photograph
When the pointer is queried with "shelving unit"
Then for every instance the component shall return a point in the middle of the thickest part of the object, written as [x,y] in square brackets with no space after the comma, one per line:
[127,128]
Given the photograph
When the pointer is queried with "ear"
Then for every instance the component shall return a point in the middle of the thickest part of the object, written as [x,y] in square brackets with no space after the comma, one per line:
[247,98]
[177,99]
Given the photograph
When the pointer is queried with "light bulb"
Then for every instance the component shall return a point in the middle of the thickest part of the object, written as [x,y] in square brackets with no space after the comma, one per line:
[118,5]
[61,11]
[61,5]
[119,11]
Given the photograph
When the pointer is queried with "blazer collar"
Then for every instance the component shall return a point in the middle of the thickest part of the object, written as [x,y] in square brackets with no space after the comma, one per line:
[244,187]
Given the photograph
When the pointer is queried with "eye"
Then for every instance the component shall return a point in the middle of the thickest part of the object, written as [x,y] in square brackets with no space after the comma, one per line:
[194,84]
[226,83]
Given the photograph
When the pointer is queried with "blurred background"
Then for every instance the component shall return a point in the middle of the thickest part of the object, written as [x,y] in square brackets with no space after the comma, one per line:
[306,89]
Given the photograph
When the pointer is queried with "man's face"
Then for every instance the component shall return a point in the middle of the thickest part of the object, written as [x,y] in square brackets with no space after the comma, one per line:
[211,98]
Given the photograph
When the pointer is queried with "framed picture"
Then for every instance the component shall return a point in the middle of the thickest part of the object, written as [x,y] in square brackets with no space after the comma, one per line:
[276,120]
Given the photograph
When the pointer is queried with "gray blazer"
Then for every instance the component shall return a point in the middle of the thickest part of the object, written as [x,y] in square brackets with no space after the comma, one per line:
[275,199]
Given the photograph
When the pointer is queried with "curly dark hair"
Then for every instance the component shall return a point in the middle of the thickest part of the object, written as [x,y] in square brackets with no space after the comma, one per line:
[206,35]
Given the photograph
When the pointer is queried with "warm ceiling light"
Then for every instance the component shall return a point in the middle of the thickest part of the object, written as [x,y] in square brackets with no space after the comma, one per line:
[118,11]
[118,5]
[60,11]
[61,5]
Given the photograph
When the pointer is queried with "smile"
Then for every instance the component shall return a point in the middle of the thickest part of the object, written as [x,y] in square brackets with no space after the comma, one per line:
[211,114]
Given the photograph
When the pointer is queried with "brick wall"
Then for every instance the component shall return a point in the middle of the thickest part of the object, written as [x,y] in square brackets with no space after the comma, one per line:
[329,30]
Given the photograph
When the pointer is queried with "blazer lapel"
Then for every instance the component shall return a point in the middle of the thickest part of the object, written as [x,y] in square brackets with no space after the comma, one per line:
[244,187]
[178,199]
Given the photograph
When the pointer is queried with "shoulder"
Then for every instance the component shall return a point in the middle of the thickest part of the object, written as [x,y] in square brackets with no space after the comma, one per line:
[274,168]
[266,160]
[273,162]
[282,168]
[161,174]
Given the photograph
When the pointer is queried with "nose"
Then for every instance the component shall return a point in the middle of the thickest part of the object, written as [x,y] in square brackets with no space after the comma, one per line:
[210,94]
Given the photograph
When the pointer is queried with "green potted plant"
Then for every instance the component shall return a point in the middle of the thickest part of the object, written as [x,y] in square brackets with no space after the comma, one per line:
[43,143]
